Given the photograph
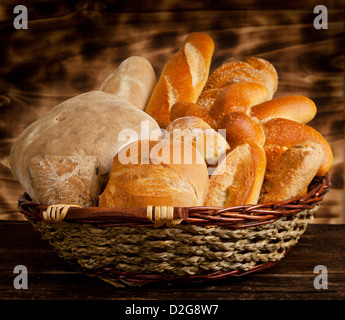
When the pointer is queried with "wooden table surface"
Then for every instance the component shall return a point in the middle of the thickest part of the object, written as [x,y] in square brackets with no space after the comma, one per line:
[51,278]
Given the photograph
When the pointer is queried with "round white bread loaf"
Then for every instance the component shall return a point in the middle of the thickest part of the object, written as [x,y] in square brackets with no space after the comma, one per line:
[90,124]
[156,173]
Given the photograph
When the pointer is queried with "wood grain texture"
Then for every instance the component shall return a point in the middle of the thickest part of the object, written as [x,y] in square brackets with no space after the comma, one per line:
[71,46]
[51,278]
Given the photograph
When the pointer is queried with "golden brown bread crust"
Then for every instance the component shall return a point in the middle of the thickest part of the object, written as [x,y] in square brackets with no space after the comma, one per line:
[251,69]
[154,176]
[184,109]
[238,178]
[232,179]
[282,134]
[183,77]
[195,131]
[291,173]
[240,129]
[296,108]
[239,97]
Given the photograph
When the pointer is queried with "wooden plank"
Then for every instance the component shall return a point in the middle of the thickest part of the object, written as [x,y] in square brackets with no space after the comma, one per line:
[53,60]
[51,278]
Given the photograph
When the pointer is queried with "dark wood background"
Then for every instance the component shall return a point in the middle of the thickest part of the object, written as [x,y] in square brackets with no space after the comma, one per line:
[71,46]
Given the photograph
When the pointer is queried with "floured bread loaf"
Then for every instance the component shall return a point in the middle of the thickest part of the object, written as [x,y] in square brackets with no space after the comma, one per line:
[134,81]
[65,180]
[91,124]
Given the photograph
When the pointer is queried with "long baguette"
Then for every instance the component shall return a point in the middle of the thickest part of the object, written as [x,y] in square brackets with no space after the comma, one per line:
[183,77]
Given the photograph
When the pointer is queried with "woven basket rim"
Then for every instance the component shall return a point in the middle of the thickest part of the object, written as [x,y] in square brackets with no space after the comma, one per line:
[232,217]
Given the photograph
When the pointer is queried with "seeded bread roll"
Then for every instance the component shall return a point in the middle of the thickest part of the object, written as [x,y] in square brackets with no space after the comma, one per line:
[246,70]
[134,81]
[167,173]
[182,78]
[65,180]
[291,172]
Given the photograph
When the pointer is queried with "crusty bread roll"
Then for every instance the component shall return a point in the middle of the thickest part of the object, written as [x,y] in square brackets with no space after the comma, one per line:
[238,97]
[296,108]
[282,134]
[236,180]
[240,129]
[156,173]
[251,69]
[91,124]
[291,172]
[134,81]
[183,109]
[65,180]
[183,77]
[195,131]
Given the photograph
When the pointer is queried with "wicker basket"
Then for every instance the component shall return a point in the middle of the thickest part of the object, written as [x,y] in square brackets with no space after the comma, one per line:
[137,246]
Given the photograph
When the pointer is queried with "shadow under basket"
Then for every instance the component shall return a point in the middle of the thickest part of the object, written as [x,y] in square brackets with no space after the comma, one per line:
[137,246]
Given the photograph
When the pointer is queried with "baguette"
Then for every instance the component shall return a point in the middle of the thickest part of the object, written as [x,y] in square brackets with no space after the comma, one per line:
[134,81]
[183,77]
[291,172]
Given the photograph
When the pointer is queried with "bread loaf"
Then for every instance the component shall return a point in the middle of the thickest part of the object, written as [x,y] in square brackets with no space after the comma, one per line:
[91,124]
[291,172]
[234,181]
[65,179]
[296,108]
[195,131]
[282,134]
[183,77]
[167,173]
[134,81]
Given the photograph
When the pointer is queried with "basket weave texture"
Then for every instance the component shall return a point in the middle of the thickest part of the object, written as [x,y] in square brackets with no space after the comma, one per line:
[122,246]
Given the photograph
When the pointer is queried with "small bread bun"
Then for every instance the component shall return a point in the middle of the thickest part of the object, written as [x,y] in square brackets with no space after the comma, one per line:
[184,109]
[282,134]
[240,129]
[167,173]
[291,172]
[238,97]
[296,108]
[195,131]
